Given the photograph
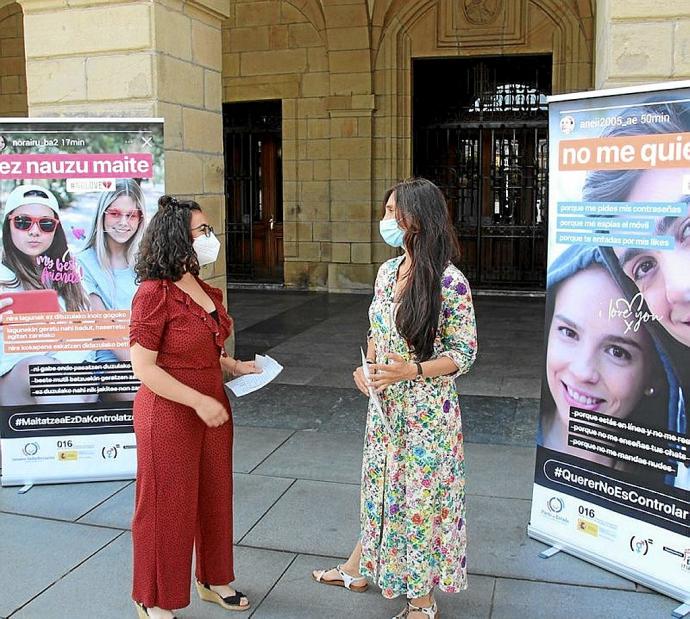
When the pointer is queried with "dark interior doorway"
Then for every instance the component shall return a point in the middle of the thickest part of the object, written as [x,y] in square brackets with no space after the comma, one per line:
[480,132]
[252,139]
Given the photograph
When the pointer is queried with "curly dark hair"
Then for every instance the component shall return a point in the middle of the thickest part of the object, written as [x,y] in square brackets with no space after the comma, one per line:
[166,249]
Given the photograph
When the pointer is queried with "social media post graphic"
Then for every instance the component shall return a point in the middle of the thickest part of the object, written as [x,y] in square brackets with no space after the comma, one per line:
[612,436]
[75,196]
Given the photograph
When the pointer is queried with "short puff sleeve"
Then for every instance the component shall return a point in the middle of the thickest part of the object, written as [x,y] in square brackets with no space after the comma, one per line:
[149,314]
[458,329]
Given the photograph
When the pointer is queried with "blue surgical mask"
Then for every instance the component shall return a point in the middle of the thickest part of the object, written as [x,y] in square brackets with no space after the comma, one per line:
[391,232]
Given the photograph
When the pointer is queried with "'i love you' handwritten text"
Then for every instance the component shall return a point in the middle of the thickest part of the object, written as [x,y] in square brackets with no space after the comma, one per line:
[633,312]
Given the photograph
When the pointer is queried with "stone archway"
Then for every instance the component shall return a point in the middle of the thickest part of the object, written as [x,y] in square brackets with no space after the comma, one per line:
[403,30]
[468,30]
[313,11]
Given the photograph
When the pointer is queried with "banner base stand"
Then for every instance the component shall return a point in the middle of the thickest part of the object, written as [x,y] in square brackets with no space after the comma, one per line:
[549,552]
[25,488]
[633,575]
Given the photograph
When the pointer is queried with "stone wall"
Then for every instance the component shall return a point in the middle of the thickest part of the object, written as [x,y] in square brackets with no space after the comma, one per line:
[12,62]
[342,69]
[158,58]
[640,41]
[188,71]
[277,50]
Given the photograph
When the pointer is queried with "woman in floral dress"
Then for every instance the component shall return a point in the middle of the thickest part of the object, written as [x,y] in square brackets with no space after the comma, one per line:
[422,336]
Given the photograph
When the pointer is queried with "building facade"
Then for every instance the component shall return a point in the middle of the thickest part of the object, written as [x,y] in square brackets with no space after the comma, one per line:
[288,119]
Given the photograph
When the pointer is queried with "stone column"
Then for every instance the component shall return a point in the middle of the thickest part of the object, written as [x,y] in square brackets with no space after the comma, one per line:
[639,41]
[352,211]
[12,64]
[139,58]
[350,106]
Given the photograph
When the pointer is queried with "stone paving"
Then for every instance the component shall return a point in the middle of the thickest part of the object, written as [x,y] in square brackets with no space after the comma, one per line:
[65,550]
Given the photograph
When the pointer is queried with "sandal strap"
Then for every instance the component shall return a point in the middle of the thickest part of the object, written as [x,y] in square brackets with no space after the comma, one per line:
[347,579]
[429,611]
[234,600]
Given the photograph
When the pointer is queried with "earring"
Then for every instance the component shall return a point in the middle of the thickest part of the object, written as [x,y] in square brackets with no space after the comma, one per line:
[649,392]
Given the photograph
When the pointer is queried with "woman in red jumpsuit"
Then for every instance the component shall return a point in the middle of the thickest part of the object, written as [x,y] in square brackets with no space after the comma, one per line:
[182,418]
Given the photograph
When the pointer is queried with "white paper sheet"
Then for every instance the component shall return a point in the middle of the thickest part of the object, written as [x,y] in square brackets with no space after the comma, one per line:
[252,382]
[374,397]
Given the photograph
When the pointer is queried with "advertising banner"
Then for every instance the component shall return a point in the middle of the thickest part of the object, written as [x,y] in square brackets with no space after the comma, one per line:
[75,199]
[612,482]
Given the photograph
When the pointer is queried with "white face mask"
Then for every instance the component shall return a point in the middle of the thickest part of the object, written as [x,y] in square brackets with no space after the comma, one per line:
[206,248]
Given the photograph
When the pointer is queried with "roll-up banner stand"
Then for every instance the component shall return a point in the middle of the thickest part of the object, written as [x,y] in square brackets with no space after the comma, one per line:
[76,196]
[612,475]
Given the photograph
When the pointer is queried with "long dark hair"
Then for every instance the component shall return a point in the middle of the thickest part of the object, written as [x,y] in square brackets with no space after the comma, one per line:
[166,250]
[27,272]
[431,243]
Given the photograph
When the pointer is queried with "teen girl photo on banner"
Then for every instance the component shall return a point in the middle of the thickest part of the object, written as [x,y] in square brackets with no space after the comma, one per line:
[612,480]
[75,199]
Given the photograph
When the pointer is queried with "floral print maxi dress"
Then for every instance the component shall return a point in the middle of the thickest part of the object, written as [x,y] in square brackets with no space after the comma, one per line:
[413,529]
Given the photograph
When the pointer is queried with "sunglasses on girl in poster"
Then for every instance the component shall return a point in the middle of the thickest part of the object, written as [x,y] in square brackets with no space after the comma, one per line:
[26,222]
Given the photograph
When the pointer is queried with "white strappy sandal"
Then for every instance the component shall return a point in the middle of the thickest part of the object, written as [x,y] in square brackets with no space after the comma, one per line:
[357,584]
[429,611]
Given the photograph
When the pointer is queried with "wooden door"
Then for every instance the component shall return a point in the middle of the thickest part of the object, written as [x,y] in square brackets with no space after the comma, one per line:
[268,218]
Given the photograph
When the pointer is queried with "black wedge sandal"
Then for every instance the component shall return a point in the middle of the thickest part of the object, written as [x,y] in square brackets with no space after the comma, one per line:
[231,602]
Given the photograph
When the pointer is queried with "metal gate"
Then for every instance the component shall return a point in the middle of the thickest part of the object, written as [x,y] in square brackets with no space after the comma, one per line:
[484,142]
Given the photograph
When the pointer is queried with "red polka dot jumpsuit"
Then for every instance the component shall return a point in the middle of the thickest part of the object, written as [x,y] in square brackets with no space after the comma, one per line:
[184,468]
